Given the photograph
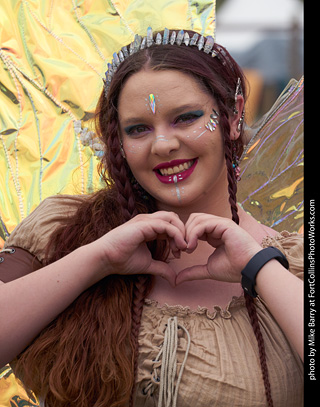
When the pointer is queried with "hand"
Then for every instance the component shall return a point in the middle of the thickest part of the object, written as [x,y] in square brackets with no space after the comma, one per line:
[124,249]
[234,247]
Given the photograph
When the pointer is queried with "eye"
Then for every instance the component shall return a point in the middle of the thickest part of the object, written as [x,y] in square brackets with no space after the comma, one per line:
[136,130]
[188,118]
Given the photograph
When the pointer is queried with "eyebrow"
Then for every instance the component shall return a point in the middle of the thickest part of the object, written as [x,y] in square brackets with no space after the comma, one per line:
[176,111]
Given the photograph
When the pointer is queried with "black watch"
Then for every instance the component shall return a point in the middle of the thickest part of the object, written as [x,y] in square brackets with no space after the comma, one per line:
[249,273]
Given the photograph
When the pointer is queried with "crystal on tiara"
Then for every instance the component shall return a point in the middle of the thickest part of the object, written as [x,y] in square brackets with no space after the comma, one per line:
[186,39]
[110,70]
[149,37]
[203,43]
[116,59]
[158,39]
[143,44]
[209,44]
[200,43]
[165,39]
[125,51]
[173,37]
[137,43]
[180,37]
[121,56]
[194,39]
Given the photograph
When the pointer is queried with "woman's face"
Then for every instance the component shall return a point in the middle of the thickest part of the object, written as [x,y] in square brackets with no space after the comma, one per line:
[171,153]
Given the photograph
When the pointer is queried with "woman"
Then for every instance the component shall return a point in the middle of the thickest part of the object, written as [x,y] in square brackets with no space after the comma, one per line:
[166,241]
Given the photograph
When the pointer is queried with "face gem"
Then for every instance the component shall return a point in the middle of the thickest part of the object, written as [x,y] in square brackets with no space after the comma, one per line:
[161,138]
[175,180]
[200,134]
[152,103]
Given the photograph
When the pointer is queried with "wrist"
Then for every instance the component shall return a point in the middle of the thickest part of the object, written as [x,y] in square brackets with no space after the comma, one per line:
[257,262]
[90,263]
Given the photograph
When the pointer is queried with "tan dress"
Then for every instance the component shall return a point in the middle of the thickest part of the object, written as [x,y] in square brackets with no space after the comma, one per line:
[207,357]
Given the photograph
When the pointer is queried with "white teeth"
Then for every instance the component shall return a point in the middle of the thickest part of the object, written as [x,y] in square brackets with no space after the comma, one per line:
[176,169]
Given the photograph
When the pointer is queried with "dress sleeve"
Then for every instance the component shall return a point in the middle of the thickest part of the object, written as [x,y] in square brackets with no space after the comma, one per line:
[292,246]
[16,263]
[24,250]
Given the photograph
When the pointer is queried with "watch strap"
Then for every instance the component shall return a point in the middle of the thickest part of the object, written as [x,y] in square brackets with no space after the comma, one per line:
[249,273]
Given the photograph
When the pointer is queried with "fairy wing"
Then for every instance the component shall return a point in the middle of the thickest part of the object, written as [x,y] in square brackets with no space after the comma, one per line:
[271,186]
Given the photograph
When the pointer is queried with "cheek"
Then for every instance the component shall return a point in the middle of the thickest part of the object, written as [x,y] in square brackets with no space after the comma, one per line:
[136,155]
[133,149]
[201,141]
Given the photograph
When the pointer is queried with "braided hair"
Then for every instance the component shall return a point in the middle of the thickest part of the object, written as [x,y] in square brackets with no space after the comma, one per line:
[218,76]
[88,355]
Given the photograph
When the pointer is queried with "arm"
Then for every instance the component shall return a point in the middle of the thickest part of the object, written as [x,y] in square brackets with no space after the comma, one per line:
[283,294]
[31,302]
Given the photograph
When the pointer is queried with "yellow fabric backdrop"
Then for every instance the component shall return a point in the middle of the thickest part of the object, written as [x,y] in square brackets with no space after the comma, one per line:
[53,58]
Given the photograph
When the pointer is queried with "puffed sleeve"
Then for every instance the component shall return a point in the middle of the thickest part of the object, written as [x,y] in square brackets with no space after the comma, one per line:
[292,246]
[24,250]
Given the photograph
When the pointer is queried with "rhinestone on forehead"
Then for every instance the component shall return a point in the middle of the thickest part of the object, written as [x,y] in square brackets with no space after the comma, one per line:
[203,43]
[152,103]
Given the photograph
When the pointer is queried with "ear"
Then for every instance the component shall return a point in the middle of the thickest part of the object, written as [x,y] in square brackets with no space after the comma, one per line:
[236,118]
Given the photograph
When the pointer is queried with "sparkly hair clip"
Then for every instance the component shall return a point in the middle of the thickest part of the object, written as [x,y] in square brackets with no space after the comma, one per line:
[203,43]
[89,138]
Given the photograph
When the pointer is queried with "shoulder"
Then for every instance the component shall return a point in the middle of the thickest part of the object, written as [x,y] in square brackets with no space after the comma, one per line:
[255,228]
[33,232]
[292,246]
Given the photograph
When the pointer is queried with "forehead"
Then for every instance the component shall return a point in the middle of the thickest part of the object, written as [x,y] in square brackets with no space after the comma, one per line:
[169,86]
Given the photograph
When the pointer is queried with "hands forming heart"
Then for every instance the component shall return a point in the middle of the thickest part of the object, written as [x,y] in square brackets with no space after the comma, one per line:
[232,248]
[124,249]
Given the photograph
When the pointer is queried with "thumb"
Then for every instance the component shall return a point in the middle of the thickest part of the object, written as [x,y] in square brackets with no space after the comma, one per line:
[162,269]
[199,272]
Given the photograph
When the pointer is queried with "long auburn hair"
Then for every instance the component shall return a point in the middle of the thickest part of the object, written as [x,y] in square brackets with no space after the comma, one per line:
[87,356]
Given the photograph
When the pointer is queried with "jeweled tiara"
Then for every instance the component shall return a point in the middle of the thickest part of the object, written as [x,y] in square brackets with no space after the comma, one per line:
[174,38]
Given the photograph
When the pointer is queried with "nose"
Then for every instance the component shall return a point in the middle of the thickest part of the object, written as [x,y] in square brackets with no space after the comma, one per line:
[165,142]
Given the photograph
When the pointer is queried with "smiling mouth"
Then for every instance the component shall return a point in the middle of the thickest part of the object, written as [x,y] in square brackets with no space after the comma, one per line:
[178,171]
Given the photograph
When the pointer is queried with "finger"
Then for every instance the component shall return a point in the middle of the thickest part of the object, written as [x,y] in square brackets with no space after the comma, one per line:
[160,228]
[196,227]
[174,249]
[198,232]
[162,269]
[170,217]
[209,228]
[199,272]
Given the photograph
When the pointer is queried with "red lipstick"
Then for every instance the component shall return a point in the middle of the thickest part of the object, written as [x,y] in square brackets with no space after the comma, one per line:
[180,176]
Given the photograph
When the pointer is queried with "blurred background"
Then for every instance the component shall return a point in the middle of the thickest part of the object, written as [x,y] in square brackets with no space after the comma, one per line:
[266,38]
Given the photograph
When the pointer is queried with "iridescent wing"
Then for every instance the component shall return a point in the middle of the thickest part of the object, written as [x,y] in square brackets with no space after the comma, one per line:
[271,186]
